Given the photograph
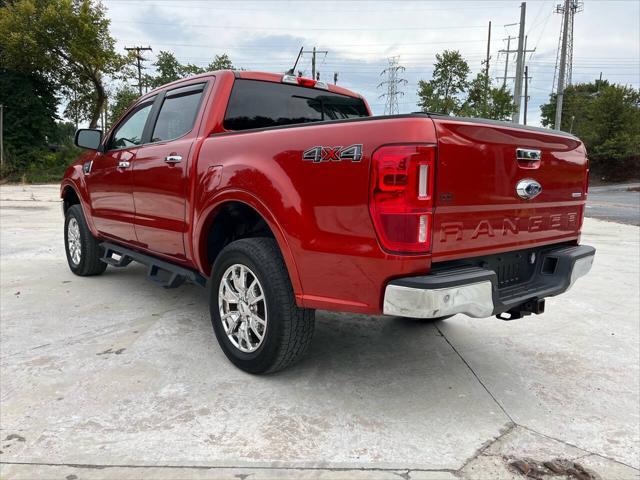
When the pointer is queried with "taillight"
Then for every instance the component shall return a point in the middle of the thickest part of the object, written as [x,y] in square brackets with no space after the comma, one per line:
[401,196]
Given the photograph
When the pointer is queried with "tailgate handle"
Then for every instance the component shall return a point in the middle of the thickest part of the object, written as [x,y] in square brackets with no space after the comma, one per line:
[528,158]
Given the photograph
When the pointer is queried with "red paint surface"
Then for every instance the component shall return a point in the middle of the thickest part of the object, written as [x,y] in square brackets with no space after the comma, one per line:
[319,212]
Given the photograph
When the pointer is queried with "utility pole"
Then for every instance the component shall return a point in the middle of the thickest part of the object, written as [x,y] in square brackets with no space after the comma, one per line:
[526,92]
[392,82]
[1,136]
[139,61]
[106,116]
[564,69]
[575,6]
[335,78]
[563,63]
[314,52]
[517,91]
[508,51]
[313,64]
[486,70]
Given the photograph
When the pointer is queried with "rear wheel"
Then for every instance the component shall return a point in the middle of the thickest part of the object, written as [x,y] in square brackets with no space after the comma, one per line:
[253,310]
[83,250]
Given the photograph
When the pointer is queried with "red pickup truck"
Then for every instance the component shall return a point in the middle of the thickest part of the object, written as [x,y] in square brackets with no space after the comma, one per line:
[282,195]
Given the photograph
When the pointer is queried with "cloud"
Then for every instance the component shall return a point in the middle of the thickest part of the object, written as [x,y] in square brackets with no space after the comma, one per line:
[359,36]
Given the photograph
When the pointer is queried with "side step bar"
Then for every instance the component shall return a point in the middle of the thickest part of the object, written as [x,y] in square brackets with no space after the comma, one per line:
[162,273]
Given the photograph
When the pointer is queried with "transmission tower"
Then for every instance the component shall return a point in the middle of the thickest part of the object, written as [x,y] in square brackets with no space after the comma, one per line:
[392,83]
[571,7]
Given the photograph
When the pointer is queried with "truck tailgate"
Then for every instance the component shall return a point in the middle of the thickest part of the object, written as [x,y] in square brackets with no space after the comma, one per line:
[477,208]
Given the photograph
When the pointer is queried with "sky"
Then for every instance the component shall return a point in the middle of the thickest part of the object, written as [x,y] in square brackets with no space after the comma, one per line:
[360,37]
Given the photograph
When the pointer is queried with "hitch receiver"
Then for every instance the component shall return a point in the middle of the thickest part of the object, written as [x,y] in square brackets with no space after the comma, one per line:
[532,306]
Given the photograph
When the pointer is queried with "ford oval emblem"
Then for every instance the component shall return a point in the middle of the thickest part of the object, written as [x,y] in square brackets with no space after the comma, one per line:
[528,189]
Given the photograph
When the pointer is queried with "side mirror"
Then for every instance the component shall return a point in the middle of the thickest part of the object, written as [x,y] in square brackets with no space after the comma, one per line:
[88,138]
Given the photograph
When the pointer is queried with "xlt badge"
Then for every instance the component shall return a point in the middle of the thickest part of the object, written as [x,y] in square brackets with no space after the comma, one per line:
[333,154]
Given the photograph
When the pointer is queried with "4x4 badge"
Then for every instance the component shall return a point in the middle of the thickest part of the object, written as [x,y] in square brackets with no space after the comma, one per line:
[333,154]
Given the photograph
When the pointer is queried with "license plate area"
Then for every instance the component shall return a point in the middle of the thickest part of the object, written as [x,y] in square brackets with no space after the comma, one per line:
[512,268]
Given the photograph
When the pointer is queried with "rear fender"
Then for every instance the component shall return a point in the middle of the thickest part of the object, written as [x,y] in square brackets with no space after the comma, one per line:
[206,218]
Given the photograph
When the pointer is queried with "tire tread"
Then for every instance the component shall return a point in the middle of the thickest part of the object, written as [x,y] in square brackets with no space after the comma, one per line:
[297,323]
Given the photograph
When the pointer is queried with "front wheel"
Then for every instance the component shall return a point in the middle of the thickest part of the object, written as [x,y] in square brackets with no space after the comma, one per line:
[83,250]
[253,310]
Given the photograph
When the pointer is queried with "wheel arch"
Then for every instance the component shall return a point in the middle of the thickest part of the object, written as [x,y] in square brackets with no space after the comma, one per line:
[243,206]
[69,197]
[71,194]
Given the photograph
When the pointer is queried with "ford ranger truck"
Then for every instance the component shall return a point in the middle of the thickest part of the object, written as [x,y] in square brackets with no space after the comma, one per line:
[282,195]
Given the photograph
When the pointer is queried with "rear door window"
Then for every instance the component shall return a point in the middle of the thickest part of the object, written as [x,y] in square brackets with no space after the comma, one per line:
[178,113]
[258,104]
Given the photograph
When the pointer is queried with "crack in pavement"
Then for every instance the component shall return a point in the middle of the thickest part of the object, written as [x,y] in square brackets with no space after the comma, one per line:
[476,375]
[588,452]
[396,471]
[513,424]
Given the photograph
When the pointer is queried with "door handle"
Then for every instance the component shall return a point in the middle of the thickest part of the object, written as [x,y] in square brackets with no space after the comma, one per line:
[123,164]
[173,159]
[528,158]
[528,154]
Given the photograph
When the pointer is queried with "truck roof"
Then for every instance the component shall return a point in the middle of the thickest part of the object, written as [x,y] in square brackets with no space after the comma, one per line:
[254,75]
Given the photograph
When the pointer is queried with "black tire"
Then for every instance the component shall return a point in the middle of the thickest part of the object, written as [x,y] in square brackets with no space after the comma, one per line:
[90,251]
[288,329]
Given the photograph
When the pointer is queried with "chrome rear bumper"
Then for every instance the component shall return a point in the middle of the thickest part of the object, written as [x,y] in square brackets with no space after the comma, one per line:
[474,291]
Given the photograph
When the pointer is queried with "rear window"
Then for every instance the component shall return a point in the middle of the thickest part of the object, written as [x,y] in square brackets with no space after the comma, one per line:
[257,104]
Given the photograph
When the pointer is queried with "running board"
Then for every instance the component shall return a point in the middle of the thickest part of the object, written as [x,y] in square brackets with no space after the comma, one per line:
[161,273]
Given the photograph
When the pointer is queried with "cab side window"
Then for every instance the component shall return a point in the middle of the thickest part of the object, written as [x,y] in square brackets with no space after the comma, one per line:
[129,133]
[178,113]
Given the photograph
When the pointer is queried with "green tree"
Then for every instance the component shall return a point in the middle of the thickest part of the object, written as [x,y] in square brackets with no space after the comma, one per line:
[66,41]
[220,62]
[486,101]
[169,69]
[122,100]
[606,118]
[501,104]
[29,117]
[442,93]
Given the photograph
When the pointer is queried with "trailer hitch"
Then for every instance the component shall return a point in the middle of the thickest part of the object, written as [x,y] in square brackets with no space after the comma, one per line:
[532,306]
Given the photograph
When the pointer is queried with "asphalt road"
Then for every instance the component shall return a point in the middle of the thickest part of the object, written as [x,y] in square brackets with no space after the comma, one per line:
[113,377]
[615,203]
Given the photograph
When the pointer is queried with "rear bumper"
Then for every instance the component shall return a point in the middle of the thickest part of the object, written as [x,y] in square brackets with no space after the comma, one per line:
[474,290]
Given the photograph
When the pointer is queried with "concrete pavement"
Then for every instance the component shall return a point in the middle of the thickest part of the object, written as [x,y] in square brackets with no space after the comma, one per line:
[113,377]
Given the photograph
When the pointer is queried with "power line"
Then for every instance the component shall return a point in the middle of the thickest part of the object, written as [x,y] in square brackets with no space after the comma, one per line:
[302,27]
[392,83]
